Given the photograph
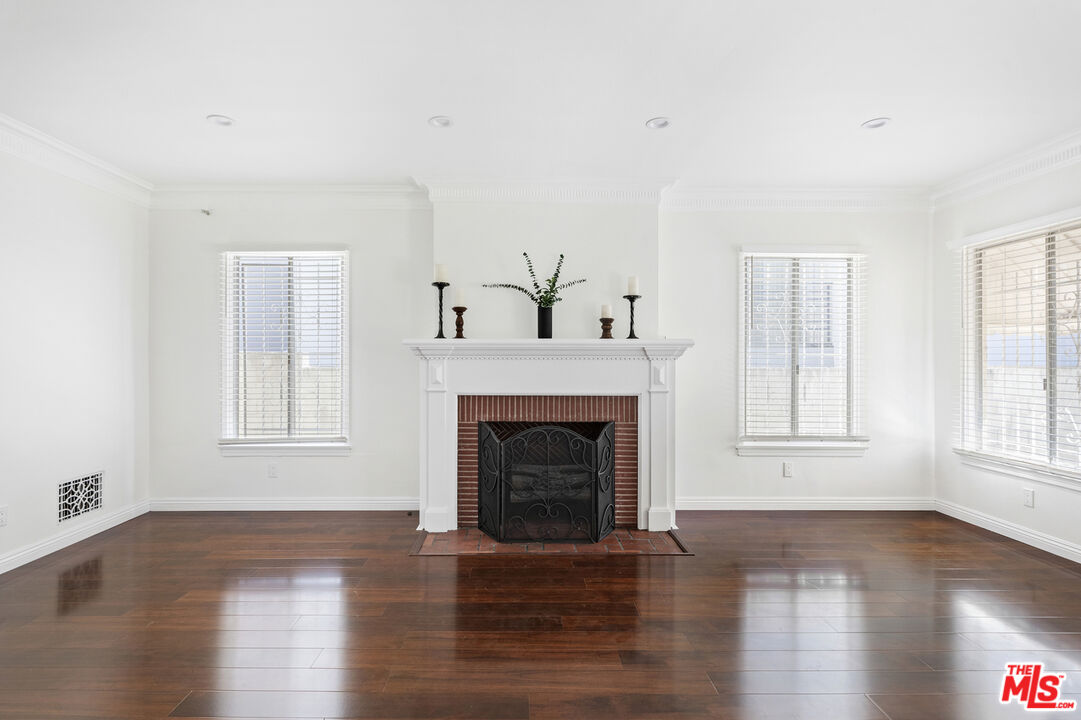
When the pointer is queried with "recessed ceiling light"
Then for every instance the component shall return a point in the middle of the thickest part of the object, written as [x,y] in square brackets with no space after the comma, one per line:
[440,121]
[222,120]
[658,123]
[875,123]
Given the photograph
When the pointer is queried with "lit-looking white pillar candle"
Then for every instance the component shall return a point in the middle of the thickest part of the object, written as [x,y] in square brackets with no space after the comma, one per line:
[459,298]
[632,285]
[440,273]
[606,311]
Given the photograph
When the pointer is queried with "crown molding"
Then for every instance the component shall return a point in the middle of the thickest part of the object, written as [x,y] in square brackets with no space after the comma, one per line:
[1040,160]
[24,142]
[453,190]
[723,199]
[357,197]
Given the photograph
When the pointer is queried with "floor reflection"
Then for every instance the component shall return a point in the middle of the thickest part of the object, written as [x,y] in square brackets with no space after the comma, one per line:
[273,625]
[78,585]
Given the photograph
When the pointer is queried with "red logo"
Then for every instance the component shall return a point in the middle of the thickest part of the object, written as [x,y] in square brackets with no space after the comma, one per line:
[1033,688]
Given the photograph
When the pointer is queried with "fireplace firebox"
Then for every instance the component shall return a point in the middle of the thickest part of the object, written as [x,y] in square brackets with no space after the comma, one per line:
[546,482]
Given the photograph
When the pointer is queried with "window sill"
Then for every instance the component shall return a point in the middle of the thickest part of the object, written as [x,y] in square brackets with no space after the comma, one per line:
[802,448]
[1020,469]
[284,449]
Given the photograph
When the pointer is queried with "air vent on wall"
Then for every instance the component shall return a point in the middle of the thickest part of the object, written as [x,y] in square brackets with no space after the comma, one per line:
[80,496]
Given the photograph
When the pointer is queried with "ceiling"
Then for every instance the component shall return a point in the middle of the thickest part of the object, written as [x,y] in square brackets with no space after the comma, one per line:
[763,93]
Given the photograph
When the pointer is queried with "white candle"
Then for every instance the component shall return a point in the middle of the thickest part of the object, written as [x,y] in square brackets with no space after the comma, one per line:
[632,285]
[441,273]
[606,311]
[459,298]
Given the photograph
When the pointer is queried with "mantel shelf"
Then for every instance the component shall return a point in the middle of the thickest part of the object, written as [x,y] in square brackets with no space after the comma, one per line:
[550,349]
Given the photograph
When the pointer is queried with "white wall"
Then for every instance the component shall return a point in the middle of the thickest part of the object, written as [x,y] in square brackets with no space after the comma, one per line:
[115,366]
[687,263]
[482,242]
[390,299]
[990,494]
[699,253]
[74,316]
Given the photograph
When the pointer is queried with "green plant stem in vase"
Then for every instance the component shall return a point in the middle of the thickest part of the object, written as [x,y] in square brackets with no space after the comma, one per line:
[545,295]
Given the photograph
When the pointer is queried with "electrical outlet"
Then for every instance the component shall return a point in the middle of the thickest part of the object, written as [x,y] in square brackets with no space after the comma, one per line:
[3,515]
[1030,497]
[272,470]
[786,469]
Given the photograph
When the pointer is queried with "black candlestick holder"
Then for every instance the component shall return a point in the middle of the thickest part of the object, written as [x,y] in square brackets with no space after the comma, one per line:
[631,299]
[441,286]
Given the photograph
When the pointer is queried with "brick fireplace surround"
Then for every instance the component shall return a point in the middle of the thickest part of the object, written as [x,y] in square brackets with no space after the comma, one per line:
[622,410]
[630,382]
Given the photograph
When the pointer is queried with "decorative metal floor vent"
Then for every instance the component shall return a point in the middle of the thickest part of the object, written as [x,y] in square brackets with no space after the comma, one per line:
[546,483]
[80,496]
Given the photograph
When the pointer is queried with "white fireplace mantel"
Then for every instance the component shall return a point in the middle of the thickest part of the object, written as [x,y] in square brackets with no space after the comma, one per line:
[642,368]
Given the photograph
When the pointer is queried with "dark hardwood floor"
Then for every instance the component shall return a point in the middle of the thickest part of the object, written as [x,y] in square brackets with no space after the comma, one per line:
[326,615]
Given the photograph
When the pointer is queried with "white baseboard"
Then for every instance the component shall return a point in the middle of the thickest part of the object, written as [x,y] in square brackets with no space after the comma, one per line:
[804,503]
[29,553]
[1035,538]
[284,504]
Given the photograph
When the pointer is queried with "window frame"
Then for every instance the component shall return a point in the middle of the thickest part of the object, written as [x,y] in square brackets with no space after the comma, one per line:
[969,443]
[230,442]
[853,443]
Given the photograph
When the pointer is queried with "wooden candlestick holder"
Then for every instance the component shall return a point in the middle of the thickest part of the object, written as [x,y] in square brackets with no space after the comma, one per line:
[459,323]
[606,328]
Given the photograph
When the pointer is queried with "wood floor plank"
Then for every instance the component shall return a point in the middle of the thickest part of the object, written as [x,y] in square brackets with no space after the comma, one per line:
[464,706]
[872,616]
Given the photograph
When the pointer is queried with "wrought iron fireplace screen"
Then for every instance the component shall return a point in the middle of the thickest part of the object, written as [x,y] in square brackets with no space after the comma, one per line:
[546,482]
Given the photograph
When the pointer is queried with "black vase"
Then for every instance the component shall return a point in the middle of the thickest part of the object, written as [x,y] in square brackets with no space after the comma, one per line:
[544,322]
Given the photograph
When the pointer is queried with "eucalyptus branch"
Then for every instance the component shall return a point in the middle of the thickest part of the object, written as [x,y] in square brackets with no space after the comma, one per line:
[544,296]
[532,275]
[559,269]
[508,286]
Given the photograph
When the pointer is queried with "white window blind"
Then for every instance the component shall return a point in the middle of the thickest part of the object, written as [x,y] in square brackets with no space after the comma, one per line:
[284,347]
[1021,383]
[801,347]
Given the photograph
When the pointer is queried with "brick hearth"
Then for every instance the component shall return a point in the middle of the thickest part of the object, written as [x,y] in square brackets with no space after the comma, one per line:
[622,410]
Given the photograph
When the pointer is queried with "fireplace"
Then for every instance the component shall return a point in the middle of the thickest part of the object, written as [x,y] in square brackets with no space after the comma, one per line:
[548,410]
[489,374]
[546,483]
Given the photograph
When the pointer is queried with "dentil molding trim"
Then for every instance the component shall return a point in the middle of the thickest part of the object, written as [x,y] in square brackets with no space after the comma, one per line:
[34,146]
[715,199]
[586,349]
[268,197]
[450,190]
[1040,160]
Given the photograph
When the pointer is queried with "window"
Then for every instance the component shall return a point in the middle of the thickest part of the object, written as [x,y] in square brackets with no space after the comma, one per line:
[800,342]
[284,348]
[1021,383]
